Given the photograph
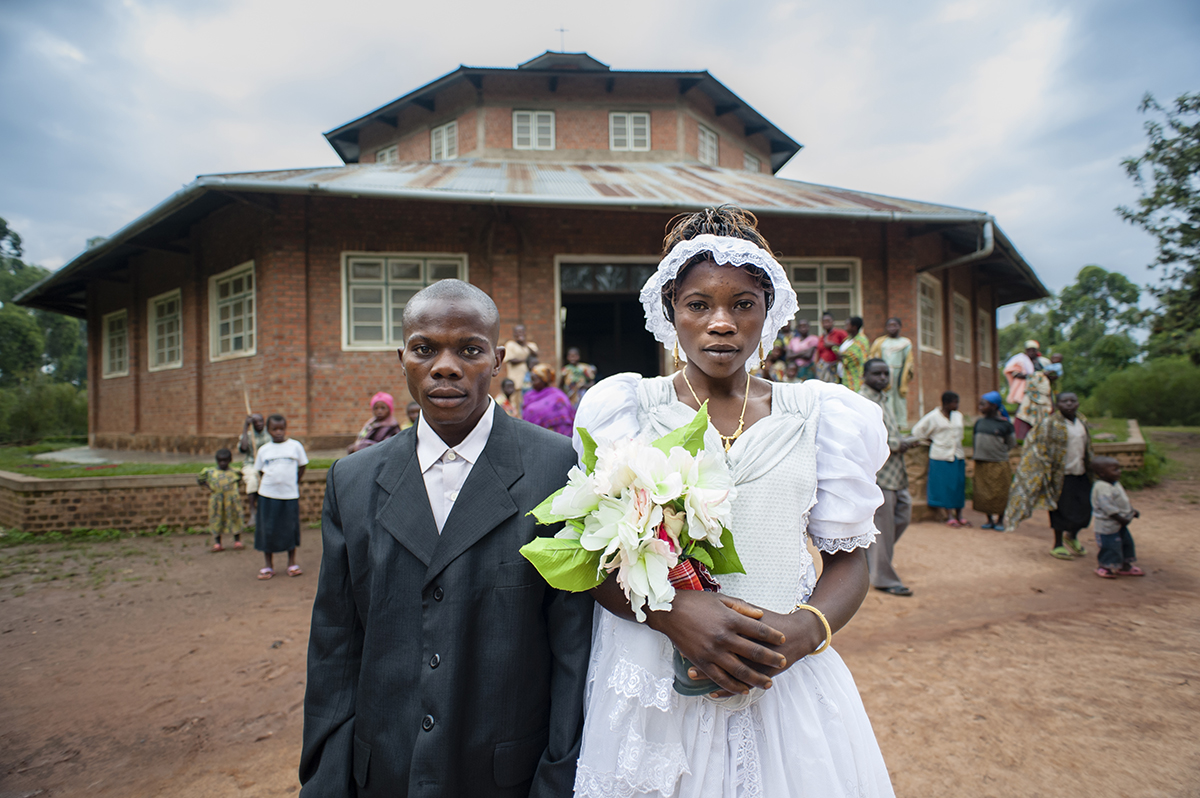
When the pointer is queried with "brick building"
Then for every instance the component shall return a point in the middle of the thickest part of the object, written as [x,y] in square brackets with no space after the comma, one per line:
[549,186]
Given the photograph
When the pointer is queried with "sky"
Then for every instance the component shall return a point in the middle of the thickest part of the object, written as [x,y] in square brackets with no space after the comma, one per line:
[1021,108]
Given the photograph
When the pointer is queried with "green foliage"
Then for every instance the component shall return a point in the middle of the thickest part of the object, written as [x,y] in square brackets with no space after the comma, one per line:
[1168,175]
[1090,323]
[38,407]
[564,564]
[34,341]
[1161,392]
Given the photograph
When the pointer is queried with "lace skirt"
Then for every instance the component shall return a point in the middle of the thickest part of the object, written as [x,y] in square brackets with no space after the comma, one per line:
[808,735]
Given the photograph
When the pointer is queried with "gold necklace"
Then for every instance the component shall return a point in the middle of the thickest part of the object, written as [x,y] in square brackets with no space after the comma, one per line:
[726,440]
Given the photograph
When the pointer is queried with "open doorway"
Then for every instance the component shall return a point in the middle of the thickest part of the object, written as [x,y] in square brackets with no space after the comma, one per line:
[603,318]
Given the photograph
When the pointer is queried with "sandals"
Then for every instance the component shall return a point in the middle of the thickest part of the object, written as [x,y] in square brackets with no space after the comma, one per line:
[1106,573]
[294,570]
[896,590]
[1075,546]
[953,523]
[1130,570]
[1061,552]
[266,573]
[237,544]
[217,547]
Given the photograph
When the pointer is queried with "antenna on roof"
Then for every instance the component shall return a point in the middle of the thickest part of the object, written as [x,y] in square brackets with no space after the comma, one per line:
[562,38]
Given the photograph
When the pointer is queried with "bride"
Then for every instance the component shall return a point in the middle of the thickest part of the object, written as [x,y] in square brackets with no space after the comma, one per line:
[788,720]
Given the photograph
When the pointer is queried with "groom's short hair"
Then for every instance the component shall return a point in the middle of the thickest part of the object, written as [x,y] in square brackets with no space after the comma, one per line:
[450,290]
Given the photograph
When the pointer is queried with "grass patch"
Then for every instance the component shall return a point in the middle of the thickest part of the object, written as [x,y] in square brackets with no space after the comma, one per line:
[1153,470]
[14,537]
[1118,427]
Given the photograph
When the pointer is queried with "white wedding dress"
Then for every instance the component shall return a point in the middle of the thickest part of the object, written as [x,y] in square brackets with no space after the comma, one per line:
[808,467]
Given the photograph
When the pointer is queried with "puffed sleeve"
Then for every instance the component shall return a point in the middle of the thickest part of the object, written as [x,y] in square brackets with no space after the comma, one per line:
[609,410]
[851,448]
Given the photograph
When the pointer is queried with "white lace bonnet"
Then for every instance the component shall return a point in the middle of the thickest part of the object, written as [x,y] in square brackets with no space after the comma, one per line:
[725,251]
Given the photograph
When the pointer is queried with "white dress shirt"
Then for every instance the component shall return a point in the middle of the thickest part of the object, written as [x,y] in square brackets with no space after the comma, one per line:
[445,468]
[1076,447]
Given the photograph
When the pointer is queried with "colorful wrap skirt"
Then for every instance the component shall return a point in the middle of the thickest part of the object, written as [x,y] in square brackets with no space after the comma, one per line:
[992,481]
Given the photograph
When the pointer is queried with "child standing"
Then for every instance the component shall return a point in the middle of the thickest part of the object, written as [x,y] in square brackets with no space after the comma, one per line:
[224,505]
[994,439]
[1111,514]
[947,483]
[281,464]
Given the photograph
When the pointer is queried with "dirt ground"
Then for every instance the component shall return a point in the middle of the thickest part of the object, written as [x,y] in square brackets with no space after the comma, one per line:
[151,667]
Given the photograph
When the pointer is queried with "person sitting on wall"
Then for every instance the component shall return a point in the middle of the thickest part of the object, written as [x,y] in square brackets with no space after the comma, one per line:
[380,426]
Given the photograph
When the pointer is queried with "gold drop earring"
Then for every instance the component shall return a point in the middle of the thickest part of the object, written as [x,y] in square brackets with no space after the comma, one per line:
[762,358]
[675,356]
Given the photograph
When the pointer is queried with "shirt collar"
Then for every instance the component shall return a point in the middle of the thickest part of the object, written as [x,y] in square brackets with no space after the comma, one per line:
[430,447]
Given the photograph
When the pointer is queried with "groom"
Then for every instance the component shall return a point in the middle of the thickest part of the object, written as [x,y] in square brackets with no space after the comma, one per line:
[440,663]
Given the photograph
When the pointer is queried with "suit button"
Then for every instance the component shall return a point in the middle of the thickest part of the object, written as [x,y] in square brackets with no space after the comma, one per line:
[427,722]
[434,661]
[437,594]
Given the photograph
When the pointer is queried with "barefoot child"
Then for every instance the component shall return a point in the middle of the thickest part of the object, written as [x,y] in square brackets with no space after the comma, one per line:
[1111,514]
[947,482]
[281,463]
[224,506]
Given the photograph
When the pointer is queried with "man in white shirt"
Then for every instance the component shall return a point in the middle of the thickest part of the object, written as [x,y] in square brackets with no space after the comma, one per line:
[440,662]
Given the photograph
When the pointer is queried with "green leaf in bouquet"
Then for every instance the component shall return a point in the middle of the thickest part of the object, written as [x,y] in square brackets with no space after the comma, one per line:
[564,564]
[543,513]
[725,559]
[699,552]
[589,450]
[689,437]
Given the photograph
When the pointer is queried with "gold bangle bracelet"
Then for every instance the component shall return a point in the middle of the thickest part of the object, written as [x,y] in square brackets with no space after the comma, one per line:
[824,622]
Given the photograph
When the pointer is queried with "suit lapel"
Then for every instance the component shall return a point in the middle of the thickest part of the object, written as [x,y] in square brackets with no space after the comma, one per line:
[484,501]
[406,514]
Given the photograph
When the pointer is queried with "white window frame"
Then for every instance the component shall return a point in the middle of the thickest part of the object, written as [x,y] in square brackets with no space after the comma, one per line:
[443,142]
[390,312]
[824,287]
[534,119]
[936,318]
[106,344]
[751,163]
[152,337]
[960,311]
[705,138]
[983,336]
[629,120]
[249,318]
[388,154]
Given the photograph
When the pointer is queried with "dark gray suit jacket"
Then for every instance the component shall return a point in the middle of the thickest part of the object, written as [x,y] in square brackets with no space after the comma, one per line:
[443,664]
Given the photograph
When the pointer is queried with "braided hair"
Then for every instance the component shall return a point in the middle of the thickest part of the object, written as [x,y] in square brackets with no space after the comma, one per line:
[724,220]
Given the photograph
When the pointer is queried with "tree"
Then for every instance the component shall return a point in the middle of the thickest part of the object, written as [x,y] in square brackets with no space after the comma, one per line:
[1090,323]
[34,340]
[1168,175]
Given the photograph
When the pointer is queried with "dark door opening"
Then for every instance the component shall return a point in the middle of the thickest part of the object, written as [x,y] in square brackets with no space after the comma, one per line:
[604,319]
[610,332]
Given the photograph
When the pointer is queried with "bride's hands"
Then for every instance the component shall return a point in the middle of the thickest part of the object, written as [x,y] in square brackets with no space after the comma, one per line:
[724,637]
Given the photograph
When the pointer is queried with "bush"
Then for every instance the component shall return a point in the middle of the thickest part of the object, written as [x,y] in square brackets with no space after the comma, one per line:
[1151,472]
[1164,392]
[38,408]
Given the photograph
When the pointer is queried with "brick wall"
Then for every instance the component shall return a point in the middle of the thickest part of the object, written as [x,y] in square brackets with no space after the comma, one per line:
[126,503]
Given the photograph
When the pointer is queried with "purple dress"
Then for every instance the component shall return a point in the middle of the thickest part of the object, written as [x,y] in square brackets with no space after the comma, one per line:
[549,408]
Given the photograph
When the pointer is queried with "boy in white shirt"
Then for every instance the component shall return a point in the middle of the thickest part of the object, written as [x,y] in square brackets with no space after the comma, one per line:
[1111,514]
[281,464]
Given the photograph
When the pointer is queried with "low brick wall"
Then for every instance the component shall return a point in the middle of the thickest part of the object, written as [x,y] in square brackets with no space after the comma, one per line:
[200,444]
[128,503]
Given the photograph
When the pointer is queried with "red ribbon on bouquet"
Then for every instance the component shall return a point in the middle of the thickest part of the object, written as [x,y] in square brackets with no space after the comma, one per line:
[692,574]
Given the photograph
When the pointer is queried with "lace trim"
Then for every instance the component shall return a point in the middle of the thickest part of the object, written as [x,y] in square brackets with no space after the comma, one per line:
[631,680]
[726,251]
[745,728]
[642,767]
[834,545]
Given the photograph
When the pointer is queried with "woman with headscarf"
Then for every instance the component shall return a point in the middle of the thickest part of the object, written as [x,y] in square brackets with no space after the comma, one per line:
[994,439]
[546,405]
[380,426]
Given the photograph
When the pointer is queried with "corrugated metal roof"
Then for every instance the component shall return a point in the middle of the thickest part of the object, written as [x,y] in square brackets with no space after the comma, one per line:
[634,185]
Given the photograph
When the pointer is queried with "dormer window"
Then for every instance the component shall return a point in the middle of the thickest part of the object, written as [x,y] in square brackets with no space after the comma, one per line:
[707,146]
[388,154]
[629,132]
[443,142]
[533,130]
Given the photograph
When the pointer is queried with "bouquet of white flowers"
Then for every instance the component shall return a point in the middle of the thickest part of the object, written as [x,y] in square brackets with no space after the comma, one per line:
[649,511]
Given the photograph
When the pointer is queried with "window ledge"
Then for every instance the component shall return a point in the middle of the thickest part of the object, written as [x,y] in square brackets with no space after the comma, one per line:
[232,356]
[114,375]
[168,367]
